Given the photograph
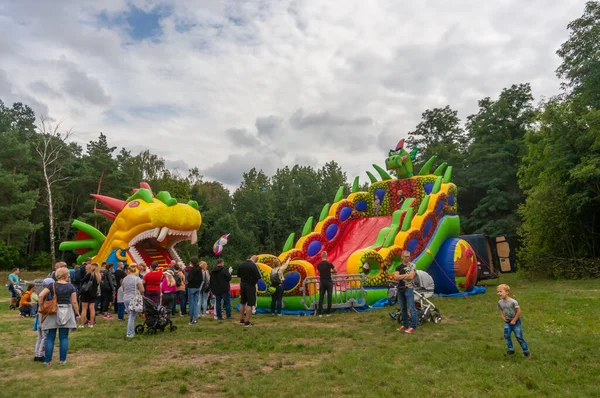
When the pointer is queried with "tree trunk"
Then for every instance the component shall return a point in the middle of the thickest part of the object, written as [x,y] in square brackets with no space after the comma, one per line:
[50,213]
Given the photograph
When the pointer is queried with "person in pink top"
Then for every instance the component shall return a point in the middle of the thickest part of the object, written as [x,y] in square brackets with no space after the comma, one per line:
[168,287]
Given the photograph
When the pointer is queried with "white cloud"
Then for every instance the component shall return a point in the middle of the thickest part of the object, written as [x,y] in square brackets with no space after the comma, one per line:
[272,82]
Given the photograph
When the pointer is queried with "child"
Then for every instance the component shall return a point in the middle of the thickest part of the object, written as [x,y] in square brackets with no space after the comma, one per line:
[120,304]
[511,314]
[34,303]
[37,326]
[25,302]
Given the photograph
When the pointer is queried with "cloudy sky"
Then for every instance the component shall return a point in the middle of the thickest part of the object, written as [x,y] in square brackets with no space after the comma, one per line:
[230,85]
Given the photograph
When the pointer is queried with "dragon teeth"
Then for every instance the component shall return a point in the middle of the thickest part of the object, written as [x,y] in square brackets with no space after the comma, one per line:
[194,237]
[163,234]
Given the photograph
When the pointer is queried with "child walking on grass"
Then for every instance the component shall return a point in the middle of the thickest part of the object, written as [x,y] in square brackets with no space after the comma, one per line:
[511,314]
[120,304]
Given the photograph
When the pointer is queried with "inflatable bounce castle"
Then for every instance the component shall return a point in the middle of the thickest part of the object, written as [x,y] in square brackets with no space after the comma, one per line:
[366,233]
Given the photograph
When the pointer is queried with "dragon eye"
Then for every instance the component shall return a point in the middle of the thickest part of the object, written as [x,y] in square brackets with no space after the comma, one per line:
[135,203]
[392,152]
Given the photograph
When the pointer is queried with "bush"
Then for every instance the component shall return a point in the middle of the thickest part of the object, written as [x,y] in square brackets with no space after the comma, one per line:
[41,261]
[9,256]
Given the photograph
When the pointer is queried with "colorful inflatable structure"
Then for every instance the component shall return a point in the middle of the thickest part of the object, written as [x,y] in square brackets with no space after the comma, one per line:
[145,228]
[366,232]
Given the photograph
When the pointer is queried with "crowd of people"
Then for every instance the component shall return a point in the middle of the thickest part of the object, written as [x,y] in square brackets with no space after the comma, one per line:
[70,300]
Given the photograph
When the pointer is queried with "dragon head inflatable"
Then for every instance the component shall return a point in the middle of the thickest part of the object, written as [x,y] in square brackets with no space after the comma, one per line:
[145,228]
[400,161]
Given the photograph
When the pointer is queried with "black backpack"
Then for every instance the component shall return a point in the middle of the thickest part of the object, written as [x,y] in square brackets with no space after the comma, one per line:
[107,283]
[177,279]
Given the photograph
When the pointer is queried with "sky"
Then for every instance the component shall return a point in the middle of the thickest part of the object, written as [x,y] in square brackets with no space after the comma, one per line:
[230,85]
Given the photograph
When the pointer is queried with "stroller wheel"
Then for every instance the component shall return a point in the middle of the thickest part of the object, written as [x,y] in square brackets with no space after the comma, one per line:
[437,318]
[139,329]
[172,328]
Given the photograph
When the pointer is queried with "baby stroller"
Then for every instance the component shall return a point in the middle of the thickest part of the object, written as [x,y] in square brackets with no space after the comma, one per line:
[18,291]
[156,318]
[423,288]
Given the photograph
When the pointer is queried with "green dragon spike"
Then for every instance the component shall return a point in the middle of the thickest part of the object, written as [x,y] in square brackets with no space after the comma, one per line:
[407,219]
[307,226]
[440,169]
[413,153]
[437,185]
[426,169]
[339,194]
[384,174]
[194,204]
[289,243]
[448,174]
[93,242]
[407,204]
[389,240]
[423,206]
[166,198]
[355,186]
[142,194]
[372,177]
[324,212]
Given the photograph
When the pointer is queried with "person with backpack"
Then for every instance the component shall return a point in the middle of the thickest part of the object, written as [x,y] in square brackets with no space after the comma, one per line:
[277,282]
[180,293]
[108,286]
[219,284]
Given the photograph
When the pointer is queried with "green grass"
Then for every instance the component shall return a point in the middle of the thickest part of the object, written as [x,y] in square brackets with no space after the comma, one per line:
[347,354]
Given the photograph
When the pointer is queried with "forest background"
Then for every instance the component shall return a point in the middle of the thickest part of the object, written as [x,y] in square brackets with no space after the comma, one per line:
[528,170]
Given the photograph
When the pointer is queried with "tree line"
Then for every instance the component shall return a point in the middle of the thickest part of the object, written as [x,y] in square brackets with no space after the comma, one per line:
[531,171]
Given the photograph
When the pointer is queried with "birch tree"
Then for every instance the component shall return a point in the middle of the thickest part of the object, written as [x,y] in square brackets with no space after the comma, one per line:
[51,146]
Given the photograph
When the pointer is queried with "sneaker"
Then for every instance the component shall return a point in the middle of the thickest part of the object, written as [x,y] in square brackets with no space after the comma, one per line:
[47,363]
[402,329]
[410,330]
[63,362]
[248,324]
[91,325]
[527,354]
[242,322]
[80,327]
[509,353]
[129,336]
[278,314]
[328,315]
[320,316]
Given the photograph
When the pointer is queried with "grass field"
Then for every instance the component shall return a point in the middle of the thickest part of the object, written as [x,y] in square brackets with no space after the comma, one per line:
[348,354]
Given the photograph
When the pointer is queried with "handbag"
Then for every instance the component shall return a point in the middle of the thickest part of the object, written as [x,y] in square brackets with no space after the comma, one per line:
[136,304]
[50,306]
[87,286]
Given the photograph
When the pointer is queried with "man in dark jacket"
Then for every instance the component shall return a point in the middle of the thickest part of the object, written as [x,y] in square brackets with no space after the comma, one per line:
[219,284]
[119,276]
[249,276]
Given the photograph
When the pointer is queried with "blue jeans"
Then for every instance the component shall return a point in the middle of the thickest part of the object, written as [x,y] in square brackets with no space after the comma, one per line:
[203,302]
[121,310]
[63,343]
[34,309]
[131,320]
[193,293]
[277,299]
[181,295]
[226,298]
[407,302]
[25,310]
[517,329]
